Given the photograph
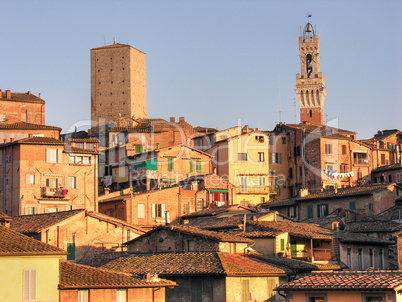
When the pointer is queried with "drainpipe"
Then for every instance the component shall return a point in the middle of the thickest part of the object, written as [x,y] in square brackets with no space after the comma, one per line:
[286,298]
[85,190]
[11,181]
[378,153]
[4,180]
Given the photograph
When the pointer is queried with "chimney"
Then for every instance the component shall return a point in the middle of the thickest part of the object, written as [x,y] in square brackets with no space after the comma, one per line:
[303,192]
[172,120]
[39,95]
[5,141]
[8,94]
[181,119]
[30,135]
[106,191]
[29,92]
[11,139]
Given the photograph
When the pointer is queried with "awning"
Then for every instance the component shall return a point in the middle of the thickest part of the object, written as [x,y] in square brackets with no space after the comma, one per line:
[168,180]
[221,191]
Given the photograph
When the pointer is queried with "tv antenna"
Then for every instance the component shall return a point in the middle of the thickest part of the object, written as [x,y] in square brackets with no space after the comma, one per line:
[295,105]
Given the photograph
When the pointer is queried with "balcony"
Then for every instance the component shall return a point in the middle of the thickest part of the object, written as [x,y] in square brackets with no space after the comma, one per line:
[253,190]
[49,192]
[322,254]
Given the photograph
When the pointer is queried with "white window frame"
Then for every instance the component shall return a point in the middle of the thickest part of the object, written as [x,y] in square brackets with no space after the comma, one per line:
[29,179]
[141,210]
[155,210]
[121,295]
[83,295]
[29,285]
[53,156]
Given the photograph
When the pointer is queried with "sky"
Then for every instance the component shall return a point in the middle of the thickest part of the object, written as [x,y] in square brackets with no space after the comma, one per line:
[217,63]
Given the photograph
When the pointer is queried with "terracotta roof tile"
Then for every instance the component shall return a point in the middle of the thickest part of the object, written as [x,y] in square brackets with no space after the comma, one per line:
[344,236]
[298,265]
[70,149]
[213,263]
[14,243]
[27,224]
[36,141]
[350,191]
[21,97]
[346,280]
[298,229]
[218,236]
[27,126]
[169,264]
[81,276]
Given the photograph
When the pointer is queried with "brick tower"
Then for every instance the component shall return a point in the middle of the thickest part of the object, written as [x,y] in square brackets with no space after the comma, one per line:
[310,83]
[118,83]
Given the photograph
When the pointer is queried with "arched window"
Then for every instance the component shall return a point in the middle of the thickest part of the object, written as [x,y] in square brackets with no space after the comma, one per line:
[311,113]
[309,65]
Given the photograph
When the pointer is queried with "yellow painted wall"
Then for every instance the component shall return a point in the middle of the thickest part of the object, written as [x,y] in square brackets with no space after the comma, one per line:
[47,277]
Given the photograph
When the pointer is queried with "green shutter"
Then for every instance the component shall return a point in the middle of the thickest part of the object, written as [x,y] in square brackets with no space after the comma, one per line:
[152,164]
[318,210]
[71,251]
[352,205]
[326,210]
[170,164]
[310,211]
[191,166]
[282,245]
[245,289]
[199,167]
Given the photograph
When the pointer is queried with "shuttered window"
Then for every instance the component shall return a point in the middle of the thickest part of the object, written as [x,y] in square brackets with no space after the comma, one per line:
[196,290]
[121,295]
[29,285]
[29,179]
[245,290]
[141,210]
[83,295]
[310,211]
[158,210]
[191,166]
[170,164]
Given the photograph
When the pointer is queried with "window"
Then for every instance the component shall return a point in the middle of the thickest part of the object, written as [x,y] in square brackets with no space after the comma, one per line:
[261,181]
[71,249]
[191,166]
[317,297]
[328,149]
[290,173]
[158,210]
[196,290]
[170,164]
[272,140]
[186,208]
[243,184]
[282,245]
[322,210]
[52,182]
[259,139]
[29,285]
[271,286]
[30,179]
[389,178]
[275,158]
[139,148]
[283,140]
[352,205]
[141,210]
[261,156]
[382,159]
[360,158]
[398,178]
[53,155]
[350,263]
[79,145]
[245,291]
[82,295]
[343,149]
[292,211]
[360,258]
[72,182]
[199,205]
[90,146]
[381,251]
[190,246]
[121,295]
[242,156]
[30,210]
[301,171]
[310,213]
[373,297]
[371,253]
[198,167]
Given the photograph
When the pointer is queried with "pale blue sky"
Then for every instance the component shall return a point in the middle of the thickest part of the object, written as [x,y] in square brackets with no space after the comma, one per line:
[212,62]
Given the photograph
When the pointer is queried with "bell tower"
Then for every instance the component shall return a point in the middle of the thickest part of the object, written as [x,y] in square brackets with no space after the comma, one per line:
[310,83]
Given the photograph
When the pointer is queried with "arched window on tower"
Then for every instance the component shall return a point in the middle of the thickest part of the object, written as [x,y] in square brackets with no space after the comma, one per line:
[309,65]
[318,97]
[311,113]
[302,97]
[312,98]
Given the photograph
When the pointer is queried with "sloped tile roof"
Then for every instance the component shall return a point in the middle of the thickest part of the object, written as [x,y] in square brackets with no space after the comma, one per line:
[27,224]
[238,264]
[14,243]
[344,236]
[217,236]
[298,265]
[28,126]
[396,166]
[214,263]
[116,45]
[210,223]
[297,229]
[370,227]
[169,264]
[260,234]
[71,149]
[211,211]
[36,141]
[21,97]
[115,221]
[347,280]
[74,275]
[343,192]
[322,128]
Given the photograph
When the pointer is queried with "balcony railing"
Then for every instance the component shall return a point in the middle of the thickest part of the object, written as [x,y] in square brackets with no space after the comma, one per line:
[360,161]
[253,190]
[54,192]
[322,254]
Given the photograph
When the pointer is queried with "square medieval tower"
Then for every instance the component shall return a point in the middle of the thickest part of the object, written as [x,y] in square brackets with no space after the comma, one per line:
[118,83]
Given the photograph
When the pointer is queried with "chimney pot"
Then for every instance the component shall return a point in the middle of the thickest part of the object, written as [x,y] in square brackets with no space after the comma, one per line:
[172,120]
[181,119]
[12,139]
[106,191]
[8,94]
[30,135]
[5,141]
[29,92]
